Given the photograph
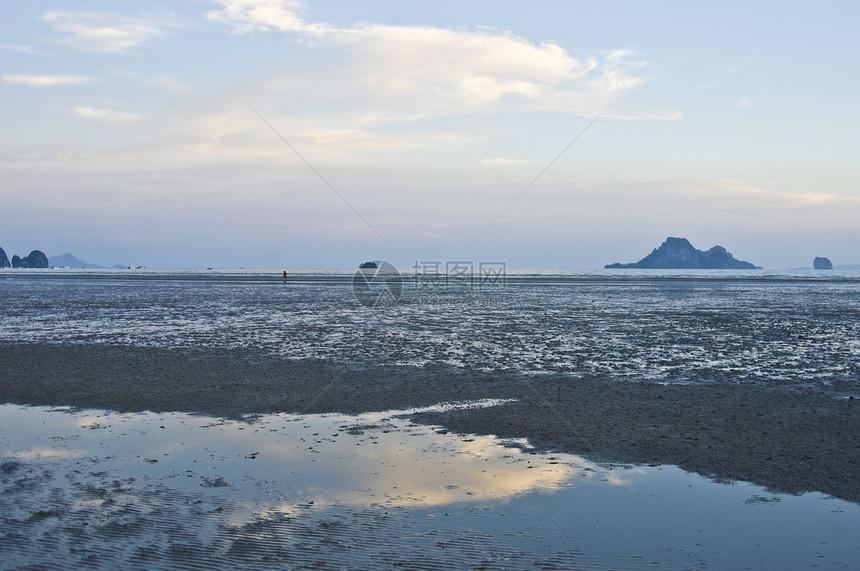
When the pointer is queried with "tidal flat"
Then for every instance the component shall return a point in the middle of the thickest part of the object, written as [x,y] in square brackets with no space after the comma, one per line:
[105,490]
[779,437]
[231,419]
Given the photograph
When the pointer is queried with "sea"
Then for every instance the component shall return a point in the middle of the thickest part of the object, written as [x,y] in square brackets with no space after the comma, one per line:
[795,328]
[99,489]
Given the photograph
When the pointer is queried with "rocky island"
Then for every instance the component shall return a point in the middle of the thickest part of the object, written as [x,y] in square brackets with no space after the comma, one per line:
[679,254]
[822,264]
[35,259]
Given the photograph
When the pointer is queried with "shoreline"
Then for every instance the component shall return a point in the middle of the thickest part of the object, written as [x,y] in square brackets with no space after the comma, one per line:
[779,438]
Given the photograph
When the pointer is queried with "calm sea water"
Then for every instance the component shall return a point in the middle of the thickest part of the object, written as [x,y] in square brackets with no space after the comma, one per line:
[795,328]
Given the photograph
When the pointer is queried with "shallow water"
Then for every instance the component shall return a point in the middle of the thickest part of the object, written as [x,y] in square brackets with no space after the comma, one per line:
[105,490]
[797,329]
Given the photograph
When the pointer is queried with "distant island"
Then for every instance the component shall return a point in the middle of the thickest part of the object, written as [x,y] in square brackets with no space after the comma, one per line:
[69,260]
[35,259]
[822,263]
[679,254]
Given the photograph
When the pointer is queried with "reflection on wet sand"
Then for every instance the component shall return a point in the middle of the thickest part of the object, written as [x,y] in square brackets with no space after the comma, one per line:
[111,490]
[326,460]
[276,463]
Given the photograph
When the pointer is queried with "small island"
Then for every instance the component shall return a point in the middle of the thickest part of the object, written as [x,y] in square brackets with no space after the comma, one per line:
[35,259]
[679,254]
[822,264]
[38,259]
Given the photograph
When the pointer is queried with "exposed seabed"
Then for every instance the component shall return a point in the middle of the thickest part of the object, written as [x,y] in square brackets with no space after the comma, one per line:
[106,490]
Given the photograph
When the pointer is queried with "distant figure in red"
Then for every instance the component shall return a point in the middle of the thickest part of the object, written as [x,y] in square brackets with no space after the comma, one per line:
[285,275]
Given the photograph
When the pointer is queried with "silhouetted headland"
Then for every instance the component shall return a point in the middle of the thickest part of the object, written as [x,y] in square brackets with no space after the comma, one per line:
[679,254]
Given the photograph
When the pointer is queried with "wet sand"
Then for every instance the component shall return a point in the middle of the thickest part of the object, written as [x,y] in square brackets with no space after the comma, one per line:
[786,440]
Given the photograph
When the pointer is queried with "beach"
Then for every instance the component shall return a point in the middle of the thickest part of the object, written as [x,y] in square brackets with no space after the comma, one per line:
[781,437]
[223,419]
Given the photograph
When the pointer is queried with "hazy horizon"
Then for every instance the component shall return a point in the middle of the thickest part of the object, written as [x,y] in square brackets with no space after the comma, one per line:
[403,265]
[285,133]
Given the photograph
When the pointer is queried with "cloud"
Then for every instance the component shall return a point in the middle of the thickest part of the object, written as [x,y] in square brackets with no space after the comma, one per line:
[424,70]
[45,80]
[106,116]
[746,102]
[743,193]
[249,15]
[98,32]
[502,162]
[740,200]
[447,71]
[22,49]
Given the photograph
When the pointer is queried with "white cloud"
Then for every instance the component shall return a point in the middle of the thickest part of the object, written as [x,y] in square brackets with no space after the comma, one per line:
[746,102]
[22,49]
[502,162]
[98,32]
[424,70]
[741,198]
[237,133]
[248,15]
[45,80]
[446,71]
[106,115]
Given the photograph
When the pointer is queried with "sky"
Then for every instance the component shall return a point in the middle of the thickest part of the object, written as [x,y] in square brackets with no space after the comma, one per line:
[554,134]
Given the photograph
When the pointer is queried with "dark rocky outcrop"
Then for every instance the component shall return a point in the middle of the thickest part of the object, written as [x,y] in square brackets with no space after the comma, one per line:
[679,254]
[368,266]
[821,264]
[4,261]
[35,259]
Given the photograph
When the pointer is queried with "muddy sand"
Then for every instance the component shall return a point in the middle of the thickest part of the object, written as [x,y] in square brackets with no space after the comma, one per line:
[787,440]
